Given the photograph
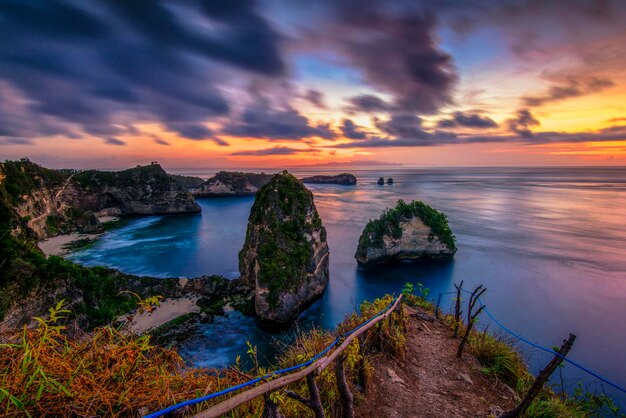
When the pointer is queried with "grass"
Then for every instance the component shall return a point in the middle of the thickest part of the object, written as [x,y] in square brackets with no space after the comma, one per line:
[44,371]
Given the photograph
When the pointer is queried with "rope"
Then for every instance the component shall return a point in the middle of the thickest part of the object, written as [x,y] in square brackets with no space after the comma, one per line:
[547,350]
[210,396]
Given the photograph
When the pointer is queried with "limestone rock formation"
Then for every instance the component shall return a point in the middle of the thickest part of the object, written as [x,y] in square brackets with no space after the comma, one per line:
[381,181]
[228,183]
[285,254]
[144,190]
[344,179]
[410,231]
[53,202]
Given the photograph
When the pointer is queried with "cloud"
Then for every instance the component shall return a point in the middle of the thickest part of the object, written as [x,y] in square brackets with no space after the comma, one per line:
[100,66]
[467,120]
[572,88]
[316,98]
[260,120]
[271,151]
[160,141]
[351,130]
[114,141]
[397,53]
[522,123]
[368,103]
[9,140]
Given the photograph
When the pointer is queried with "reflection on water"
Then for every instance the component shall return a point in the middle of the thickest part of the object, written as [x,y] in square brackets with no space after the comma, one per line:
[548,243]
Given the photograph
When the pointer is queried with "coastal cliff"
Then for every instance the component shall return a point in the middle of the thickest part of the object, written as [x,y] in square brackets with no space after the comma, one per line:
[36,202]
[344,179]
[285,254]
[143,190]
[229,183]
[410,231]
[52,202]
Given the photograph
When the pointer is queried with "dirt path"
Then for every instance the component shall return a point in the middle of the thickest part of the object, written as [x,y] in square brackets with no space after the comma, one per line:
[56,196]
[431,381]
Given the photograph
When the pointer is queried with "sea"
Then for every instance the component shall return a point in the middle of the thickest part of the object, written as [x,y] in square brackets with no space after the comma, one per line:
[548,243]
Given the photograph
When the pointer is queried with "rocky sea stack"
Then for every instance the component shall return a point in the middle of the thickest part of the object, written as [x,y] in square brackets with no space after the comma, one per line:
[410,231]
[344,179]
[285,255]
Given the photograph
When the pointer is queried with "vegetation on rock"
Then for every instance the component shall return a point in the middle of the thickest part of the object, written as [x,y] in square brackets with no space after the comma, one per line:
[282,222]
[389,224]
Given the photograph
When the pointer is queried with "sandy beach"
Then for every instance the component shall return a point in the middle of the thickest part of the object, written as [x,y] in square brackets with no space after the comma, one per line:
[58,245]
[168,310]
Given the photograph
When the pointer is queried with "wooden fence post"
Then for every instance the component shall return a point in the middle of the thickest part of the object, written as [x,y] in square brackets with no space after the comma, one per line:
[457,309]
[313,401]
[347,400]
[541,379]
[271,409]
[437,307]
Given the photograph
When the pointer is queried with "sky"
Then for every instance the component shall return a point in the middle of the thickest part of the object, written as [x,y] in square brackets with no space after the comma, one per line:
[279,83]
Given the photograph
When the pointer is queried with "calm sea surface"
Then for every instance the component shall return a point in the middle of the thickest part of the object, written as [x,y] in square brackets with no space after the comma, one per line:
[549,244]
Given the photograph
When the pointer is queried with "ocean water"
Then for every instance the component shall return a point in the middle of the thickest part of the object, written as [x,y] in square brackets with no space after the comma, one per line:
[548,243]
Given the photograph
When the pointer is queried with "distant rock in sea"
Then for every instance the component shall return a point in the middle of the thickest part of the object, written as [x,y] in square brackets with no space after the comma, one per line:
[410,231]
[344,179]
[381,181]
[285,254]
[230,183]
[389,180]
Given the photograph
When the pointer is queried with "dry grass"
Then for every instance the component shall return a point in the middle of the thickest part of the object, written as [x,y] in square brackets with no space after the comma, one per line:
[43,372]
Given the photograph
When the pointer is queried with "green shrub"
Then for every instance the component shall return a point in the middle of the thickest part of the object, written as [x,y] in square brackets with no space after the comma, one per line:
[389,224]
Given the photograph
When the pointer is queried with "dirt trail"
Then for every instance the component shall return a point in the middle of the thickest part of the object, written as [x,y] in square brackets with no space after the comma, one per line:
[431,381]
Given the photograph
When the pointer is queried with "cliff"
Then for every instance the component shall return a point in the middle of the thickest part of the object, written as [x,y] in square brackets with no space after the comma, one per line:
[344,179]
[227,183]
[52,202]
[285,254]
[410,231]
[144,190]
[36,202]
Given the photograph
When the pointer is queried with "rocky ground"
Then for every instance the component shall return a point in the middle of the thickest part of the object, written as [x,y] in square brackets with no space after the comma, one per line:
[432,382]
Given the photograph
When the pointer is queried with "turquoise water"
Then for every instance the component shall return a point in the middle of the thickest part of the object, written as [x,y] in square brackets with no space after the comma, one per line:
[549,244]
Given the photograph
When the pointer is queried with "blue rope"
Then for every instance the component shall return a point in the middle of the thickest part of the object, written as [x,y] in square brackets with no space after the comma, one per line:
[259,379]
[547,350]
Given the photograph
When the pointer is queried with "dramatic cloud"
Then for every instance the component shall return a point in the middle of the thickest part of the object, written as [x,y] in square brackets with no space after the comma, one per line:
[467,120]
[260,120]
[522,123]
[573,88]
[271,151]
[368,103]
[100,66]
[397,53]
[351,130]
[316,98]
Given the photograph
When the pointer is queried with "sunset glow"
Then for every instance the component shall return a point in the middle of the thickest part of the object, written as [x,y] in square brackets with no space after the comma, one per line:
[272,84]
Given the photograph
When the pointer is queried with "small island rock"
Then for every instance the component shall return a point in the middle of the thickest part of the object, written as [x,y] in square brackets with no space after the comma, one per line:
[381,181]
[410,231]
[285,254]
[389,180]
[344,179]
